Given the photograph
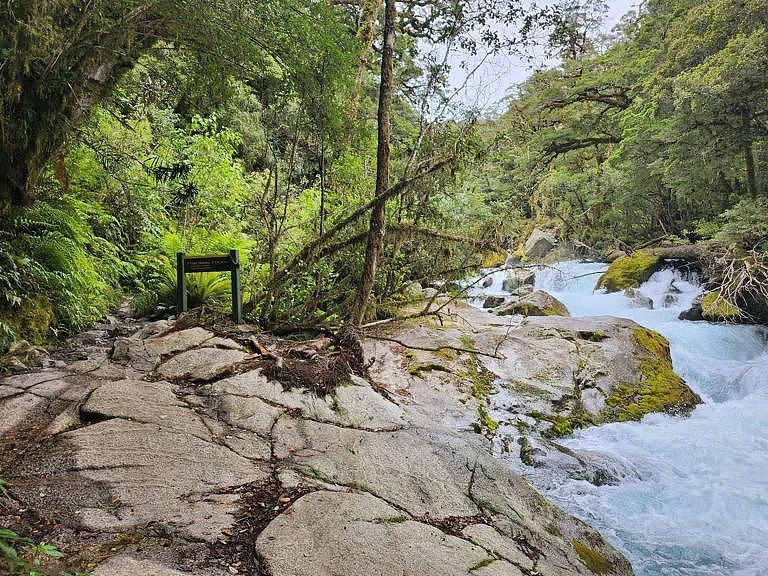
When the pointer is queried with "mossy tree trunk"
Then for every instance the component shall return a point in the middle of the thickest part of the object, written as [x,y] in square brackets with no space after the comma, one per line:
[59,59]
[377,226]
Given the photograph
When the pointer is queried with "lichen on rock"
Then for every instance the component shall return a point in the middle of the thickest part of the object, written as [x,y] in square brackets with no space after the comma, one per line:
[629,271]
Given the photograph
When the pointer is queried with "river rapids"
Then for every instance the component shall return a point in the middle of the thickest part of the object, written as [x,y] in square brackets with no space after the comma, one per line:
[697,503]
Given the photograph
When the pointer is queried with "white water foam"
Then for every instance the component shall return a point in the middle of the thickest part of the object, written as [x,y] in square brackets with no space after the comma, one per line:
[701,508]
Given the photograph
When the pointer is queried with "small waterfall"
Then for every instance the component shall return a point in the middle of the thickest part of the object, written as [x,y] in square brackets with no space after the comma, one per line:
[699,506]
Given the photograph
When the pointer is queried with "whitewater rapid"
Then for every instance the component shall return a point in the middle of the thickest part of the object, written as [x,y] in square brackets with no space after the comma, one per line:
[700,507]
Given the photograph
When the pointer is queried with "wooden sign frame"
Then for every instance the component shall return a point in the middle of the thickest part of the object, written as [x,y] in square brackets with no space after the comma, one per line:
[212,263]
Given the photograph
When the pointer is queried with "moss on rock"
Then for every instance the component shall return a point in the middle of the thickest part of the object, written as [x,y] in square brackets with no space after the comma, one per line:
[538,303]
[716,308]
[32,320]
[563,425]
[659,388]
[592,559]
[629,271]
[494,259]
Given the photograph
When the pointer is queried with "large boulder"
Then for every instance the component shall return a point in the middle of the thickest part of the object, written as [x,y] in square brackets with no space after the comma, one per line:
[694,313]
[571,373]
[553,374]
[518,278]
[716,308]
[538,303]
[539,244]
[629,272]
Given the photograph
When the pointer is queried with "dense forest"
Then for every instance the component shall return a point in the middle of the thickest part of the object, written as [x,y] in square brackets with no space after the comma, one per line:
[324,141]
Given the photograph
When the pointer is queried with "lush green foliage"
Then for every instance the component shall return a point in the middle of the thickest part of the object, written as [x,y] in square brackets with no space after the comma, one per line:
[656,135]
[262,138]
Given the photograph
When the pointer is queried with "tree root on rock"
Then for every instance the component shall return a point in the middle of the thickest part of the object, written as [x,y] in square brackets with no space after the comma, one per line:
[319,365]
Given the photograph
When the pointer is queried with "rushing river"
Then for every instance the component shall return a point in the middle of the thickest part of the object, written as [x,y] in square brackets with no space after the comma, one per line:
[701,506]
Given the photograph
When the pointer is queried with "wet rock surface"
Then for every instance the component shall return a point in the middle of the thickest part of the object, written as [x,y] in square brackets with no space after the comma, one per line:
[537,303]
[536,379]
[167,451]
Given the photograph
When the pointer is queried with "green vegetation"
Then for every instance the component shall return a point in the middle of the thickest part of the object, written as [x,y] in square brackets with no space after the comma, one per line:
[659,389]
[343,172]
[21,556]
[483,563]
[481,387]
[564,425]
[715,307]
[629,272]
[592,559]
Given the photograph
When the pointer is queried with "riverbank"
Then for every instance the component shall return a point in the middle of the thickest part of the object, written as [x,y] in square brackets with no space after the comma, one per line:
[690,500]
[170,452]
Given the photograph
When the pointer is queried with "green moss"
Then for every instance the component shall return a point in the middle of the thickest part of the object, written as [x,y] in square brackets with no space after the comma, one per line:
[523,308]
[485,425]
[494,259]
[480,379]
[592,559]
[527,389]
[445,353]
[716,308]
[590,336]
[653,343]
[563,425]
[629,271]
[467,342]
[481,386]
[32,320]
[483,563]
[659,388]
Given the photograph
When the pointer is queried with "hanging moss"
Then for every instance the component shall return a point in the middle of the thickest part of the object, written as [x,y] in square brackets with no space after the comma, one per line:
[629,271]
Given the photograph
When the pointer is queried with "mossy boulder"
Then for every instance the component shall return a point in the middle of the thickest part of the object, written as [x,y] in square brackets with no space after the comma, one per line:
[537,303]
[629,271]
[716,308]
[572,373]
[658,388]
[494,259]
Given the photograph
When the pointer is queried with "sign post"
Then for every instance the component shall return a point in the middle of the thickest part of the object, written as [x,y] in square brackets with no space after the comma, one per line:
[216,263]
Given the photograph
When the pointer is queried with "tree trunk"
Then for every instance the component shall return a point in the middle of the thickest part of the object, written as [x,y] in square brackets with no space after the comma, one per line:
[749,157]
[377,226]
[365,33]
